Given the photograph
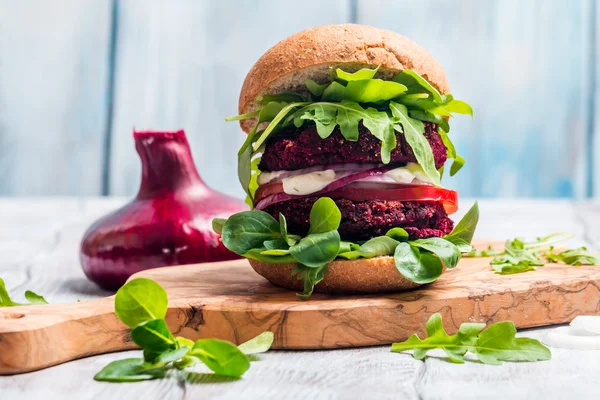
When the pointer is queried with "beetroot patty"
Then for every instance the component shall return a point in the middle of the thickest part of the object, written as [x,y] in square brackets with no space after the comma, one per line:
[367,219]
[303,148]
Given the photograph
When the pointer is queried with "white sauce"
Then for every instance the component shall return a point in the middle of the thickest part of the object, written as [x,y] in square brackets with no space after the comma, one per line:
[312,182]
[308,183]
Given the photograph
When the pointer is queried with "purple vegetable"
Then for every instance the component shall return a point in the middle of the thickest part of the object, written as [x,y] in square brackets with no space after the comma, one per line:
[169,221]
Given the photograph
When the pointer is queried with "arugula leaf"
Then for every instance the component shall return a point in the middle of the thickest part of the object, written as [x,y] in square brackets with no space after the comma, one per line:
[248,230]
[495,344]
[287,97]
[35,298]
[324,216]
[413,132]
[273,124]
[361,74]
[222,357]
[348,115]
[427,116]
[315,88]
[465,229]
[498,343]
[458,106]
[578,256]
[516,258]
[344,101]
[455,346]
[140,300]
[323,117]
[363,91]
[6,301]
[317,249]
[458,162]
[417,84]
[257,345]
[129,370]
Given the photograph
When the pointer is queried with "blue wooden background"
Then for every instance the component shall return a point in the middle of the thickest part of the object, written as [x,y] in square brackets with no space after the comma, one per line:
[76,77]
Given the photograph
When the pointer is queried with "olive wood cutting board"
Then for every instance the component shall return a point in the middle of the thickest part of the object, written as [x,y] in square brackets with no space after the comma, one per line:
[228,300]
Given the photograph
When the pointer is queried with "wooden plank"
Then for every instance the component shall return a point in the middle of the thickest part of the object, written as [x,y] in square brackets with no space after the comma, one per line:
[182,64]
[229,301]
[53,96]
[357,373]
[523,67]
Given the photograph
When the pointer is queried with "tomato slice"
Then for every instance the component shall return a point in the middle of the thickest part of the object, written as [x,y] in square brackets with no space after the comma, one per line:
[449,198]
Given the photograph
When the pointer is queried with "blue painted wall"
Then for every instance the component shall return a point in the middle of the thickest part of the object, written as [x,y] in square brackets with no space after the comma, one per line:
[76,76]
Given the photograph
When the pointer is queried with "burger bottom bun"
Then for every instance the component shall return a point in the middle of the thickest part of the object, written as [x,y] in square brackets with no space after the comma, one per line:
[374,275]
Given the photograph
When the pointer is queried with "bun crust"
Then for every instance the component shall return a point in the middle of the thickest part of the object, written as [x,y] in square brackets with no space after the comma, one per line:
[374,275]
[310,53]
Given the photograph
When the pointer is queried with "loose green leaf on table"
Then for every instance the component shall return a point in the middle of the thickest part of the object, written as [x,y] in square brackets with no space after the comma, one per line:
[140,300]
[493,345]
[455,346]
[221,357]
[257,345]
[129,370]
[6,301]
[578,256]
[498,343]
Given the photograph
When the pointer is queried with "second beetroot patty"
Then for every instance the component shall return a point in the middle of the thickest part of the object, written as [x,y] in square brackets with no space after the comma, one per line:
[304,148]
[367,219]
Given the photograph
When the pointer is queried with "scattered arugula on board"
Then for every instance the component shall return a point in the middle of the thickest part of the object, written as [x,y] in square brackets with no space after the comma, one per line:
[142,305]
[6,301]
[493,345]
[257,235]
[384,107]
[519,256]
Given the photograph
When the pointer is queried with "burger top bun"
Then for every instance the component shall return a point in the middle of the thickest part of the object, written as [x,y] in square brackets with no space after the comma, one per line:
[310,53]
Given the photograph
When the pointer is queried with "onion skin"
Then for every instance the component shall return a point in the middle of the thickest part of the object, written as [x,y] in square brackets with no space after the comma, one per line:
[168,223]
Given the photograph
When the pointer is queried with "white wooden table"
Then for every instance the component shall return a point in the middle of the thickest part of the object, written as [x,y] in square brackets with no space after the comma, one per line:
[39,251]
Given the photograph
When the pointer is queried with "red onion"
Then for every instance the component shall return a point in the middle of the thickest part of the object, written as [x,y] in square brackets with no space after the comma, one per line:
[337,184]
[169,221]
[336,167]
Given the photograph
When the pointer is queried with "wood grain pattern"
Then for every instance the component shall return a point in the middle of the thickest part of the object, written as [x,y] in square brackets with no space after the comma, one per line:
[38,242]
[53,96]
[228,300]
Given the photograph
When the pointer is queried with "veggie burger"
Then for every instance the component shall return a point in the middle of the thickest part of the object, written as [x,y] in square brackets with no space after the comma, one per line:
[347,143]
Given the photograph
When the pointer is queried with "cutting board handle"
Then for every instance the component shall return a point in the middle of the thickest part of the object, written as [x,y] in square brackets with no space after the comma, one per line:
[34,337]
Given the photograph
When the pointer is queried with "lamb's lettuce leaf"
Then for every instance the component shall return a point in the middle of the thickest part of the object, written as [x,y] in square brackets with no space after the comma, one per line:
[257,235]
